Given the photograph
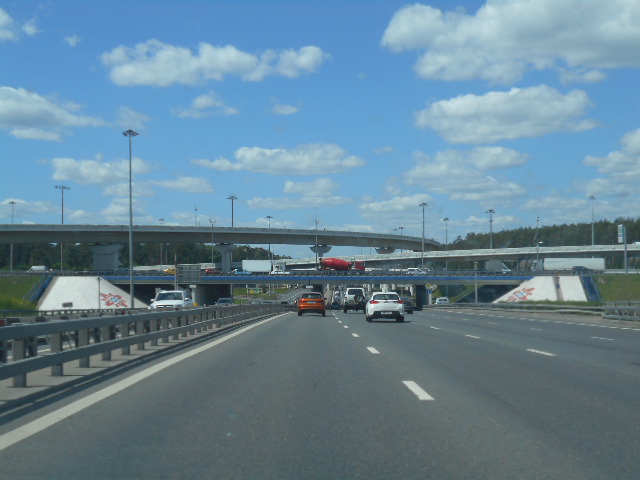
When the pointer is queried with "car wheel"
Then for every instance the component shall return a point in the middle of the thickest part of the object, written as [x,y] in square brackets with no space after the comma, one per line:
[324,313]
[400,319]
[299,313]
[410,313]
[344,310]
[367,318]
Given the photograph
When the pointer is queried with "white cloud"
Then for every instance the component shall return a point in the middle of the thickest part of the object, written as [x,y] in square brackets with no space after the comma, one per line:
[159,64]
[621,166]
[205,105]
[30,28]
[504,39]
[6,26]
[464,175]
[389,209]
[309,159]
[186,184]
[72,40]
[129,118]
[318,193]
[31,116]
[88,172]
[518,113]
[282,109]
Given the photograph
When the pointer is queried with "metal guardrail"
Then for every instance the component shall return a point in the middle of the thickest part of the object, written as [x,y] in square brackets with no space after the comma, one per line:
[518,306]
[92,336]
[627,311]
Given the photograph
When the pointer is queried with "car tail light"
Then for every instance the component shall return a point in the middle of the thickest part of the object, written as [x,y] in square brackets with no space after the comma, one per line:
[399,301]
[374,301]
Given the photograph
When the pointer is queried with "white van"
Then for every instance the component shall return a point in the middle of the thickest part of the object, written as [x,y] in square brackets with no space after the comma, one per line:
[442,300]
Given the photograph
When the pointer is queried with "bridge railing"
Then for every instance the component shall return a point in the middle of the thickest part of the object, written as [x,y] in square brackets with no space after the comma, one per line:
[102,335]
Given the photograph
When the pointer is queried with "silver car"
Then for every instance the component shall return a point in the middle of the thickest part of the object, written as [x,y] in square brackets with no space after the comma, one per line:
[384,305]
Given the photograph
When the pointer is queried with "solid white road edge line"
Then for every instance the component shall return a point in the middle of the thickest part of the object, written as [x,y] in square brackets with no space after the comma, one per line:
[540,352]
[417,391]
[21,433]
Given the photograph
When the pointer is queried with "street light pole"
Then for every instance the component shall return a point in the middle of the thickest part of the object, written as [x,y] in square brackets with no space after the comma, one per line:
[161,220]
[62,188]
[593,230]
[12,203]
[423,204]
[317,221]
[212,222]
[269,217]
[491,211]
[232,198]
[130,133]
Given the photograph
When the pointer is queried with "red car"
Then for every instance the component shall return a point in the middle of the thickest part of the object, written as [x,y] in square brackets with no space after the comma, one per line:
[311,302]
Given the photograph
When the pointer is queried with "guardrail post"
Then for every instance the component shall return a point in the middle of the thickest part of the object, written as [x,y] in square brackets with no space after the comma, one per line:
[177,322]
[56,346]
[108,333]
[165,326]
[186,323]
[153,327]
[83,341]
[18,348]
[140,331]
[124,332]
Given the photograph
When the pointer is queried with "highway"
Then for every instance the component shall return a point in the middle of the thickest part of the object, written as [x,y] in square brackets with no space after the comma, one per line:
[449,394]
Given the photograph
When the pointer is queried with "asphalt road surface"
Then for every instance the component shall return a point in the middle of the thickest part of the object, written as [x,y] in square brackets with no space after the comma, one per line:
[449,394]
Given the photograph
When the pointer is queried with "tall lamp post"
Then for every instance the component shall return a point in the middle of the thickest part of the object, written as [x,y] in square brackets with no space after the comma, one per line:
[232,198]
[130,133]
[593,229]
[12,203]
[446,247]
[212,222]
[491,211]
[423,204]
[269,217]
[161,220]
[317,221]
[62,188]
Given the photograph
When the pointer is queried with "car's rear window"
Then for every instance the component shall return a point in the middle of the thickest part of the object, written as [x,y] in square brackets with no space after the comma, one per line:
[311,295]
[386,296]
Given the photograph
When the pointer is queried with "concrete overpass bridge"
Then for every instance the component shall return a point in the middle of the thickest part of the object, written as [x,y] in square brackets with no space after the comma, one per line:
[107,240]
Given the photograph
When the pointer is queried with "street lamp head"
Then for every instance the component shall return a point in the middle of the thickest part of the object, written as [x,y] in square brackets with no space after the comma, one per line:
[130,133]
[445,219]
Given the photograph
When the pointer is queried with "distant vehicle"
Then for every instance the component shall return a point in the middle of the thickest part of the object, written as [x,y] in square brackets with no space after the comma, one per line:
[354,299]
[408,305]
[311,302]
[560,264]
[38,268]
[170,271]
[340,265]
[213,271]
[417,271]
[496,266]
[280,272]
[237,271]
[385,304]
[257,266]
[442,300]
[176,299]
[224,302]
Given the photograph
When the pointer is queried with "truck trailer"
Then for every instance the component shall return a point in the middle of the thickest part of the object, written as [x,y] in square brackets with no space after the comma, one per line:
[569,264]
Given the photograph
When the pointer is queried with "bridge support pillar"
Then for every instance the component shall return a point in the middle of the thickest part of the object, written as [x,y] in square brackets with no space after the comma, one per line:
[106,257]
[421,296]
[226,249]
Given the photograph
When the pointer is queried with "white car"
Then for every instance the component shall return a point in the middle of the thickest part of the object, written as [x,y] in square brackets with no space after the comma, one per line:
[417,271]
[384,304]
[442,300]
[176,299]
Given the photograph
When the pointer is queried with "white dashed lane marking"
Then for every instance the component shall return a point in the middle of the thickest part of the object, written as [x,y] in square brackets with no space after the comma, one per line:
[373,350]
[417,391]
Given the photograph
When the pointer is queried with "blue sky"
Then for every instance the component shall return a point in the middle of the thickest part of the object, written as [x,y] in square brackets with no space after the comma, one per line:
[349,112]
